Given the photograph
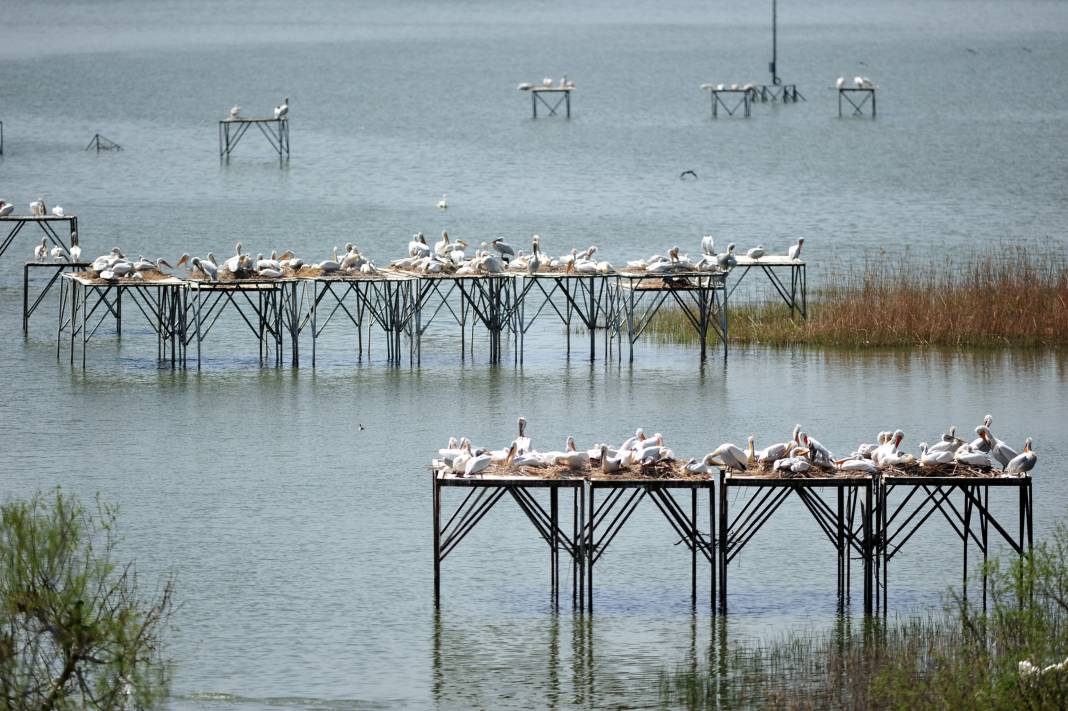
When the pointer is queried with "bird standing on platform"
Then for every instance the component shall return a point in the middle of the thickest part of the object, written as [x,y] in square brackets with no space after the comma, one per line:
[207,268]
[727,260]
[708,245]
[6,208]
[418,247]
[442,246]
[443,203]
[756,252]
[40,252]
[58,211]
[547,82]
[858,82]
[504,249]
[75,250]
[58,255]
[38,208]
[1024,462]
[235,113]
[280,112]
[795,251]
[839,83]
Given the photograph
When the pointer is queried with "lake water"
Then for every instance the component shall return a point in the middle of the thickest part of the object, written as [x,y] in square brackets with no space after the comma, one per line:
[301,544]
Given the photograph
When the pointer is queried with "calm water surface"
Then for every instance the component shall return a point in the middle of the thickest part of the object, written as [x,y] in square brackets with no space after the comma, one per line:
[301,544]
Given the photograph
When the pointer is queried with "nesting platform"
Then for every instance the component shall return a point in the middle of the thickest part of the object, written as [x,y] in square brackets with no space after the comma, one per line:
[862,101]
[731,101]
[47,224]
[700,296]
[865,518]
[275,130]
[53,270]
[794,294]
[559,95]
[101,143]
[786,93]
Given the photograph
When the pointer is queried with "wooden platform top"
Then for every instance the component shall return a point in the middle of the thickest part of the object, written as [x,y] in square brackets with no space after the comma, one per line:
[769,260]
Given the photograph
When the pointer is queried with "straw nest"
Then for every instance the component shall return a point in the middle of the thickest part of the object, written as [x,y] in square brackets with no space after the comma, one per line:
[660,471]
[148,275]
[954,470]
[309,272]
[766,472]
[242,277]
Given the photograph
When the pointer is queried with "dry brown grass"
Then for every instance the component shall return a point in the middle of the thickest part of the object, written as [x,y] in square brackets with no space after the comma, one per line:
[1011,297]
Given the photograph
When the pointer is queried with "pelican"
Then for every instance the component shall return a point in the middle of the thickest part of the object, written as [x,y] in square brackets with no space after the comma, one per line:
[772,452]
[950,442]
[720,87]
[1023,462]
[6,208]
[142,264]
[707,465]
[235,112]
[609,464]
[503,248]
[858,82]
[972,458]
[57,211]
[535,261]
[795,251]
[865,83]
[184,259]
[505,456]
[270,273]
[547,82]
[933,458]
[457,256]
[75,253]
[283,110]
[328,266]
[886,452]
[855,464]
[727,260]
[708,245]
[160,263]
[443,203]
[734,87]
[756,252]
[981,443]
[38,207]
[522,441]
[442,247]
[820,454]
[999,451]
[233,264]
[122,268]
[839,83]
[107,275]
[206,267]
[459,461]
[40,252]
[525,86]
[563,81]
[58,255]
[730,456]
[418,247]
[796,461]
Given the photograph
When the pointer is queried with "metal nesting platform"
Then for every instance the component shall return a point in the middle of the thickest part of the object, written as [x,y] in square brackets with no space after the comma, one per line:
[275,130]
[268,307]
[865,518]
[700,296]
[588,300]
[731,101]
[45,223]
[794,294]
[562,96]
[858,99]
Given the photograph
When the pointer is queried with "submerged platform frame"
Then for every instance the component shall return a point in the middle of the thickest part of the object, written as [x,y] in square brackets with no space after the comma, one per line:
[564,98]
[859,106]
[794,294]
[45,223]
[737,99]
[275,130]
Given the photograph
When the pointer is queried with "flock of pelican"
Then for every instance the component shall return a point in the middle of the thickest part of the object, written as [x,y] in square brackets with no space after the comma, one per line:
[800,455]
[859,82]
[38,208]
[242,265]
[280,111]
[547,83]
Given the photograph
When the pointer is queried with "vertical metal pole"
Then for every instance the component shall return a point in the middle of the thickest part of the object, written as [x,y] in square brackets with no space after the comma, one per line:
[967,529]
[574,547]
[713,555]
[774,43]
[722,542]
[873,103]
[567,95]
[839,103]
[868,547]
[580,543]
[842,552]
[554,547]
[118,310]
[693,545]
[26,299]
[534,102]
[437,538]
[590,552]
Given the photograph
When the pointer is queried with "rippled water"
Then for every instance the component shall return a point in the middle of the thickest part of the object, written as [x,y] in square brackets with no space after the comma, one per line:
[301,544]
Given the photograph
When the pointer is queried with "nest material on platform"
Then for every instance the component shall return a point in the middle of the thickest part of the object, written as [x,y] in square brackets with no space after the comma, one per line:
[662,470]
[147,276]
[946,470]
[308,271]
[766,472]
[244,276]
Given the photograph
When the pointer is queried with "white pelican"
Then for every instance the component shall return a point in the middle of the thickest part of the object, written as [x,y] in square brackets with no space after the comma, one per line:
[839,83]
[283,110]
[525,86]
[1024,462]
[706,86]
[75,253]
[233,264]
[442,246]
[795,251]
[708,245]
[547,82]
[206,267]
[58,254]
[142,264]
[160,263]
[720,87]
[418,247]
[38,208]
[40,252]
[235,112]
[459,461]
[727,260]
[707,465]
[730,456]
[734,87]
[819,453]
[572,458]
[972,457]
[756,252]
[888,449]
[122,268]
[610,464]
[796,461]
[6,208]
[865,83]
[999,451]
[503,248]
[772,452]
[443,203]
[983,445]
[505,456]
[950,442]
[327,266]
[107,275]
[535,261]
[58,211]
[932,458]
[856,464]
[270,273]
[858,82]
[522,441]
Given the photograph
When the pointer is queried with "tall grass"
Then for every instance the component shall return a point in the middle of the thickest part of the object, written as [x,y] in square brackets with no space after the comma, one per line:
[1011,297]
[962,658]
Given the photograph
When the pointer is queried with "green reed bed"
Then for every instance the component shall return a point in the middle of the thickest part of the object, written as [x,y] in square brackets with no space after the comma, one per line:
[1011,297]
[958,658]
